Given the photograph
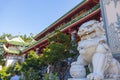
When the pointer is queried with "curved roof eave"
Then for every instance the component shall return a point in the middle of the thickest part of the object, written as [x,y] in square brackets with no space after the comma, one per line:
[16,41]
[11,51]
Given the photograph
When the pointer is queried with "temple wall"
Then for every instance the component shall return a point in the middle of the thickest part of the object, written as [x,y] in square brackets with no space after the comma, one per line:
[10,62]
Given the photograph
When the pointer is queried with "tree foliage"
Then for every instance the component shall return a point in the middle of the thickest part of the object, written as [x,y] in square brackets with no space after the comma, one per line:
[3,74]
[32,61]
[31,66]
[58,49]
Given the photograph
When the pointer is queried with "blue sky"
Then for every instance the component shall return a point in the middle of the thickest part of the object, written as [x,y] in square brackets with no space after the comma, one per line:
[31,16]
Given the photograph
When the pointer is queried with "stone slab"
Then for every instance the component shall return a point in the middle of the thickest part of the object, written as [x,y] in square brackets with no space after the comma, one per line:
[86,79]
[76,79]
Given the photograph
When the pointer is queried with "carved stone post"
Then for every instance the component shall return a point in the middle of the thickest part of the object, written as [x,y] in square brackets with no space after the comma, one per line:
[111,17]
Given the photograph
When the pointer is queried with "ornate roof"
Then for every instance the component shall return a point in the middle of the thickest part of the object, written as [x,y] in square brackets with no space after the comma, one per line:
[80,17]
[60,18]
[16,41]
[11,51]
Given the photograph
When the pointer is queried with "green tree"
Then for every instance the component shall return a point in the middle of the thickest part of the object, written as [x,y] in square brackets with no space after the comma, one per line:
[32,61]
[31,66]
[3,74]
[58,49]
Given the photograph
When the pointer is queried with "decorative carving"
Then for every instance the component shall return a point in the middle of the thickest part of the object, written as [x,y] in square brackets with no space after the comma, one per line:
[114,35]
[112,23]
[114,31]
[117,26]
[95,53]
[107,2]
[118,20]
[115,1]
[76,70]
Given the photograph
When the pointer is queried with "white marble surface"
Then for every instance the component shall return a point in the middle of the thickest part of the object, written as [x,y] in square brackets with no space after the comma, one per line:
[76,79]
[86,79]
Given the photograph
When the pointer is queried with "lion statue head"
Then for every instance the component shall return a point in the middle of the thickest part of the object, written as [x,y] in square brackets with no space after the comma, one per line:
[91,29]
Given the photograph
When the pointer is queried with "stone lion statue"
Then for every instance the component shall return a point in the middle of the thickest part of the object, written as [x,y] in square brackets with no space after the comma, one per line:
[95,53]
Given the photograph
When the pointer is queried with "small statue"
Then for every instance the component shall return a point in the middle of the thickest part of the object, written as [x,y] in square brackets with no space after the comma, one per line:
[95,53]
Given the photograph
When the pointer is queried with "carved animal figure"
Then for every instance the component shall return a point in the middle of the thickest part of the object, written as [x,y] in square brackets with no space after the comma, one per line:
[95,52]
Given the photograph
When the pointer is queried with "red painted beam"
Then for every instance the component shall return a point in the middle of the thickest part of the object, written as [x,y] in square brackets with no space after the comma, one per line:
[96,1]
[82,20]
